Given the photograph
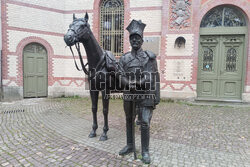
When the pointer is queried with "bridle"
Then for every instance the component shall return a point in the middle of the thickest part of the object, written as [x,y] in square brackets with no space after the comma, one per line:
[99,65]
[77,45]
[84,69]
[90,72]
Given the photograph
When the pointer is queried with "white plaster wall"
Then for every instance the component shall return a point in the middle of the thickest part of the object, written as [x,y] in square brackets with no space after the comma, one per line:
[186,93]
[145,3]
[79,4]
[36,19]
[178,69]
[66,68]
[247,88]
[67,5]
[246,97]
[152,18]
[170,45]
[55,4]
[57,90]
[56,42]
[10,83]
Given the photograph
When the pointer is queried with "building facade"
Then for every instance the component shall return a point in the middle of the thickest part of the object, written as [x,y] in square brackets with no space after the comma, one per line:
[202,46]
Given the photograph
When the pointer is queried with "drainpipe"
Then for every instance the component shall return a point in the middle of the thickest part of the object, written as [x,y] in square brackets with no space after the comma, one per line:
[1,88]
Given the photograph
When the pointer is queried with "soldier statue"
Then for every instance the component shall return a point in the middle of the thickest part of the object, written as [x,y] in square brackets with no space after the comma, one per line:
[141,78]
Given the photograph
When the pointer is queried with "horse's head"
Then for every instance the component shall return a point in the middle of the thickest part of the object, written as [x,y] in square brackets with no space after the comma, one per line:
[78,30]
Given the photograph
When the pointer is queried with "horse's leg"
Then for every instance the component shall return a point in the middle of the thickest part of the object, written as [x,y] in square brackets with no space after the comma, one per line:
[94,100]
[105,104]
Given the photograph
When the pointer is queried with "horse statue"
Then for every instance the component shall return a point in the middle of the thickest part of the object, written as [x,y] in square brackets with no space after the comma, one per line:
[99,63]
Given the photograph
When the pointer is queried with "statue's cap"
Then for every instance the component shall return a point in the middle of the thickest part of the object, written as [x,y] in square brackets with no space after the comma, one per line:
[136,27]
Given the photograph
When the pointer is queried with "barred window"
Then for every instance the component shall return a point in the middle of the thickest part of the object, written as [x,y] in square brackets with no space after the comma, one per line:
[223,16]
[112,23]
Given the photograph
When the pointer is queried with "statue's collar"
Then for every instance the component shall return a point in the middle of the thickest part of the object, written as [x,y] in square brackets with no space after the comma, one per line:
[136,53]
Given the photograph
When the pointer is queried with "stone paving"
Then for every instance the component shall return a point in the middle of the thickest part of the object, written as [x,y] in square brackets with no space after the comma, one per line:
[54,132]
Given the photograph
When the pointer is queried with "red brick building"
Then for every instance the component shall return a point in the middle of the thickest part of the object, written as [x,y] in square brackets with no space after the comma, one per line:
[202,46]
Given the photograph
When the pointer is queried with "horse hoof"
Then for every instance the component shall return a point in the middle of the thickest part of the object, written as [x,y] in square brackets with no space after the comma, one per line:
[91,135]
[103,138]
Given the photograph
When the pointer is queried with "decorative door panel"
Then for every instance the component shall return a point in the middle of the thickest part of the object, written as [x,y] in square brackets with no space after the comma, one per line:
[29,75]
[231,66]
[41,86]
[232,56]
[41,76]
[228,26]
[230,89]
[208,66]
[35,71]
[220,67]
[207,88]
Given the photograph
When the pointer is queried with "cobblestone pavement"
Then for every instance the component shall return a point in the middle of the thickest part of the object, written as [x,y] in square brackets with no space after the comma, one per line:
[54,132]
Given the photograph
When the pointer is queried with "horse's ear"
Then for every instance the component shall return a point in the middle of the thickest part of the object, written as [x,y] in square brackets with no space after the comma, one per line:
[86,17]
[74,16]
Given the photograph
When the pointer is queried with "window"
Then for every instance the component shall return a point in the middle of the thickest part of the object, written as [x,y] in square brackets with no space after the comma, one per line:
[223,16]
[231,60]
[112,23]
[180,42]
[208,59]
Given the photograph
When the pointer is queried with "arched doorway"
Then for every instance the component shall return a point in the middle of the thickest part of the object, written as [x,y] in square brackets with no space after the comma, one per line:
[222,54]
[112,26]
[35,71]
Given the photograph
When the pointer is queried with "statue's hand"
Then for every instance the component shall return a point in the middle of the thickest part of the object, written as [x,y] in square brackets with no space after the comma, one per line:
[132,86]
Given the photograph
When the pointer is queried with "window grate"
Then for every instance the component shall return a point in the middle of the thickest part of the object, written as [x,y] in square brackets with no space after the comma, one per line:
[112,26]
[223,16]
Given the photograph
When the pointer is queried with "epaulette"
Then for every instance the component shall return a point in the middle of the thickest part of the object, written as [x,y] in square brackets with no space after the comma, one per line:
[126,53]
[150,54]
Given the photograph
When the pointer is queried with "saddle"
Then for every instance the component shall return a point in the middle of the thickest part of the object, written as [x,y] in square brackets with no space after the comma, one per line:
[107,61]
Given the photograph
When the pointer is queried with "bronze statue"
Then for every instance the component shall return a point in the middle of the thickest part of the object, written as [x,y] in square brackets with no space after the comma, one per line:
[143,90]
[136,75]
[101,64]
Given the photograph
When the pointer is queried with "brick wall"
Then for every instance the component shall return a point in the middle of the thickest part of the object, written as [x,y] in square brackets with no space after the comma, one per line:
[12,66]
[45,22]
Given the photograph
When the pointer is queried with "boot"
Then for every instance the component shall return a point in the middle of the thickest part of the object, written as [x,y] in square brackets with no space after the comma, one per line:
[145,145]
[126,150]
[138,121]
[129,147]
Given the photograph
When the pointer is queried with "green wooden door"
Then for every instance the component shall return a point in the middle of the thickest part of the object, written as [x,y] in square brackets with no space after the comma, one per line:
[220,67]
[35,71]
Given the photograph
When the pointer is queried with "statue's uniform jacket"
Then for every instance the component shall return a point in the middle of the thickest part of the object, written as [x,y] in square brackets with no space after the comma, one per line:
[146,62]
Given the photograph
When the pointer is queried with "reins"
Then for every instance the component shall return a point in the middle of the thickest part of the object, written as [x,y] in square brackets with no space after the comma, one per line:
[100,64]
[81,60]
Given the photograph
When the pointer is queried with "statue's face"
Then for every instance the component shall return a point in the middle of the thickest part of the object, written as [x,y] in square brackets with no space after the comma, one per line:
[136,41]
